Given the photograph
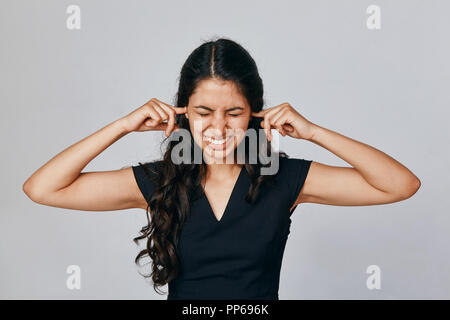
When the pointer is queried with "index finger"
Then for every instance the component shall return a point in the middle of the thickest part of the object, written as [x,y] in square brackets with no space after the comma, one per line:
[180,110]
[260,113]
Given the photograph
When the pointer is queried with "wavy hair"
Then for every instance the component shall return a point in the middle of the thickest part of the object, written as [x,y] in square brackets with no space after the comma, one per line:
[169,204]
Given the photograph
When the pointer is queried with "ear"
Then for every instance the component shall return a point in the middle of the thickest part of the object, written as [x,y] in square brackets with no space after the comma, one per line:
[187,115]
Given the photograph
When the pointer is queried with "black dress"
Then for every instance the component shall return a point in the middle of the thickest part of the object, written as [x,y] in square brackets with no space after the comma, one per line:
[240,255]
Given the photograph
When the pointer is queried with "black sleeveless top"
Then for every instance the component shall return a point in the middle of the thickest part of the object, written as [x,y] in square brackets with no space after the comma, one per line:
[240,255]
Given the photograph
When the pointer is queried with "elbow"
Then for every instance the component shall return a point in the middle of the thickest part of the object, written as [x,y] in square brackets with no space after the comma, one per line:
[26,189]
[415,185]
[411,188]
[30,192]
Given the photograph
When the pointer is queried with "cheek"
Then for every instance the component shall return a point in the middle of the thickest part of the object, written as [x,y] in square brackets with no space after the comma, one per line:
[197,127]
[239,128]
[241,124]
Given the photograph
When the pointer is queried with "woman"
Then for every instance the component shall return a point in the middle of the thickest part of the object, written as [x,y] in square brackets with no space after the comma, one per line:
[218,229]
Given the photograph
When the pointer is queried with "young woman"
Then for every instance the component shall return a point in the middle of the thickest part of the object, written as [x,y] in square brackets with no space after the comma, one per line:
[218,229]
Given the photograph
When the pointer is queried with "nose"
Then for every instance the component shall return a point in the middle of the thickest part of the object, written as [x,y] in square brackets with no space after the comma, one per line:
[219,126]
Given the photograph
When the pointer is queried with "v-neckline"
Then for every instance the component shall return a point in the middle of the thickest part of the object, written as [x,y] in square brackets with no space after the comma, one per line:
[229,202]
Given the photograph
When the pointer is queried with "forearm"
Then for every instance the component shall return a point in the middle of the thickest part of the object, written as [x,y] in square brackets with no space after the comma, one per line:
[377,168]
[66,166]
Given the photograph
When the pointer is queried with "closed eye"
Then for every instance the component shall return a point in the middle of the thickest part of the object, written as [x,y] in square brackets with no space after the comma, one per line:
[207,114]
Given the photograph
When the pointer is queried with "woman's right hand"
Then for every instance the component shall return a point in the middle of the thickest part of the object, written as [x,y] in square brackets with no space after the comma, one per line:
[154,115]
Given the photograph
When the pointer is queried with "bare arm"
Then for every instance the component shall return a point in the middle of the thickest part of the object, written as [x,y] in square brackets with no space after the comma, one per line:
[60,182]
[375,178]
[97,191]
[64,168]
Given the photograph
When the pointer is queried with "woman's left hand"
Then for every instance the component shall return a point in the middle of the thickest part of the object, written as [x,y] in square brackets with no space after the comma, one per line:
[286,120]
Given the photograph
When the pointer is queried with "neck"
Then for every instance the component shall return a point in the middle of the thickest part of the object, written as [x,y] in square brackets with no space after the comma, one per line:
[222,171]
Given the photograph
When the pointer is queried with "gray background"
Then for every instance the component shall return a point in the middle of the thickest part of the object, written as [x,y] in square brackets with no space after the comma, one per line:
[387,88]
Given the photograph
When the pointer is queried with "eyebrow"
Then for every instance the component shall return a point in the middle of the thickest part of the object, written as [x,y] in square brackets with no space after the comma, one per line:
[209,109]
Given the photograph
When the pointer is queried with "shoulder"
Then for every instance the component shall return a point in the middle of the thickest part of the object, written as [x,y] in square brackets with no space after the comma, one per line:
[293,170]
[289,165]
[146,175]
[292,175]
[148,168]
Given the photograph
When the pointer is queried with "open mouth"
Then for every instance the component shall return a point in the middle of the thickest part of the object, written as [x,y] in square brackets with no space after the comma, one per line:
[217,141]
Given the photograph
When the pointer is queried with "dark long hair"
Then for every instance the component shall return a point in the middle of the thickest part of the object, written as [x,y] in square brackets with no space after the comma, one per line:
[169,205]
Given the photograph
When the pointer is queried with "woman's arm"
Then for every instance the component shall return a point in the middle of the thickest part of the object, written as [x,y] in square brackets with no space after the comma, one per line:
[375,177]
[64,168]
[60,182]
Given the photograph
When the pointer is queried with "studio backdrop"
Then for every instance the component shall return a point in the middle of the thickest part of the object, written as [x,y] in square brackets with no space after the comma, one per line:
[375,71]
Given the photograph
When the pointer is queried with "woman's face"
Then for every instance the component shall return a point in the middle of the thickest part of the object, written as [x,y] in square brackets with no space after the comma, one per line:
[218,118]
